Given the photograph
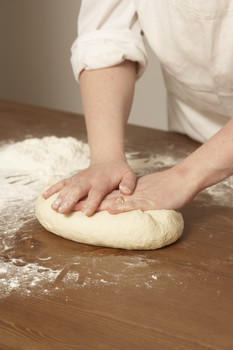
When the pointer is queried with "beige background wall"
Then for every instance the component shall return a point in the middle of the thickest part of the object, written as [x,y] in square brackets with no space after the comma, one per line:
[35,40]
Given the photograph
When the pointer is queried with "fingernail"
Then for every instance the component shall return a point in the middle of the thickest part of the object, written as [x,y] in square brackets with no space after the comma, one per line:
[125,189]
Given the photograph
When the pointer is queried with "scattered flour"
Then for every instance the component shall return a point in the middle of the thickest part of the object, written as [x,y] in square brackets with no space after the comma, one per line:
[220,194]
[24,278]
[25,167]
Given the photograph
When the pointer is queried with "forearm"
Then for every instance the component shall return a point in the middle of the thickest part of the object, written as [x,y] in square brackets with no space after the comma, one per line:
[210,163]
[107,96]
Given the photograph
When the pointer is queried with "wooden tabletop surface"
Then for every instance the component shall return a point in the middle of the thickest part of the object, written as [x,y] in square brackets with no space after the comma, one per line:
[178,297]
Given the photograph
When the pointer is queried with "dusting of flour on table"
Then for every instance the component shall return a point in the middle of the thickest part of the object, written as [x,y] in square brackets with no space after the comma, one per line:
[25,167]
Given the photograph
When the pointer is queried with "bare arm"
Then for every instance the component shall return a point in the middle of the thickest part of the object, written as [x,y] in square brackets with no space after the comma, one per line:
[213,161]
[172,189]
[107,98]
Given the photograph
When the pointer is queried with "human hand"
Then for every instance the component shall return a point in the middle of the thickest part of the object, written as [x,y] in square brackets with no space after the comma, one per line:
[167,189]
[93,184]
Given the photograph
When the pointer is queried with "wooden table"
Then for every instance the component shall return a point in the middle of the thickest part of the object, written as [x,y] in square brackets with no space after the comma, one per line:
[178,297]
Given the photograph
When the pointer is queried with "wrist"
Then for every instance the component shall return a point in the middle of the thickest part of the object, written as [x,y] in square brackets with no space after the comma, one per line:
[188,179]
[106,157]
[205,168]
[106,149]
[195,177]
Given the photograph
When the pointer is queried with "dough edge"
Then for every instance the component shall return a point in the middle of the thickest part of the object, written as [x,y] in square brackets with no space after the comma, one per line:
[134,230]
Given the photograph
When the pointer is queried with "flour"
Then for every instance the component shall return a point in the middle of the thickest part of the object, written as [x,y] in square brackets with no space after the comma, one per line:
[24,278]
[25,167]
[220,194]
[45,156]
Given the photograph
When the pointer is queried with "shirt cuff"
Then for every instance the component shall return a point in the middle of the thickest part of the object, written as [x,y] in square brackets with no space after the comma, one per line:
[101,49]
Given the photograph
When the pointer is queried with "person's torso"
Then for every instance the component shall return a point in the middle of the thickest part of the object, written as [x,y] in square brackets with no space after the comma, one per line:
[193,40]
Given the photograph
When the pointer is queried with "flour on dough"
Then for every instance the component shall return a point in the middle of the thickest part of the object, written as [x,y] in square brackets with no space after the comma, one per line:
[136,229]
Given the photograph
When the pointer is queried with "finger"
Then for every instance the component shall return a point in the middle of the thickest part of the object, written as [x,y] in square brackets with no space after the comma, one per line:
[109,199]
[94,199]
[105,204]
[121,206]
[68,197]
[113,195]
[61,196]
[72,198]
[53,189]
[128,183]
[78,206]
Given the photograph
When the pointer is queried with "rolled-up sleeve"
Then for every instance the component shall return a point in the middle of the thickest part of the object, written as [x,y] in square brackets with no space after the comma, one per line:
[108,33]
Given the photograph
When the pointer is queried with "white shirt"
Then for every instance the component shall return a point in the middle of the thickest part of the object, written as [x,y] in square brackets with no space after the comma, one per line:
[193,40]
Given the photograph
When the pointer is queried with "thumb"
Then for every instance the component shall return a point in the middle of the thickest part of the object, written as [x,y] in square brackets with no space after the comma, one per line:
[128,183]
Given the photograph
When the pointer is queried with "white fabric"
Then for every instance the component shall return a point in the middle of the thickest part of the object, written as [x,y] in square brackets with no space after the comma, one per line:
[193,40]
[108,34]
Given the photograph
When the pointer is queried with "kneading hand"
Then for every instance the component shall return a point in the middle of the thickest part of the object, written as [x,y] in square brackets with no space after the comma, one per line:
[163,190]
[93,184]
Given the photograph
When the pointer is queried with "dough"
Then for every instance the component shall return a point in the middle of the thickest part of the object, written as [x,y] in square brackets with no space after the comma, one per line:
[137,229]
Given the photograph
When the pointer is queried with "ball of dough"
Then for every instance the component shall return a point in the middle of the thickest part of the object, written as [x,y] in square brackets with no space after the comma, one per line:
[136,229]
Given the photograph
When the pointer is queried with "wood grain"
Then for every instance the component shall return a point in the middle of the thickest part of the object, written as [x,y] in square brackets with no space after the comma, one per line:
[178,297]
